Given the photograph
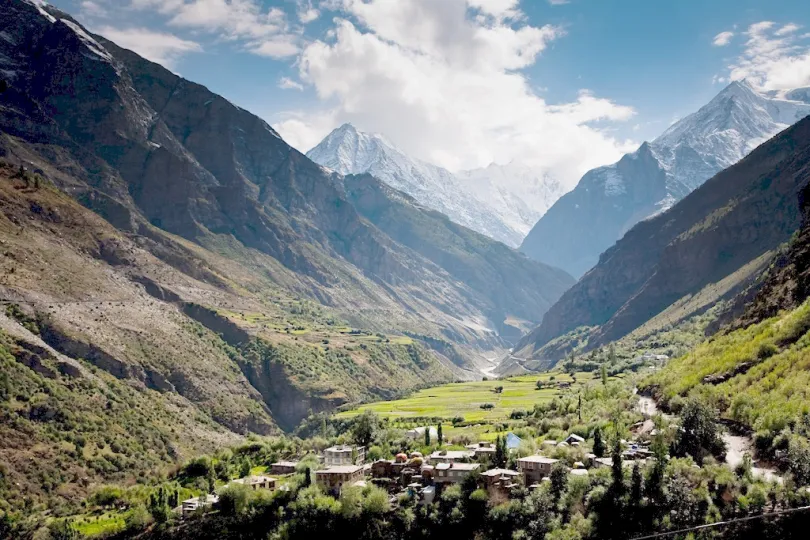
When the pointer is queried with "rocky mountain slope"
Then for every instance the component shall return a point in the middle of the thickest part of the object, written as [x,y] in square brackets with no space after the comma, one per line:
[164,250]
[502,202]
[609,200]
[709,246]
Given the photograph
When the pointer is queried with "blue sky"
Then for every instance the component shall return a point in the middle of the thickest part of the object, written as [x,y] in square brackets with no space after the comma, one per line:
[560,85]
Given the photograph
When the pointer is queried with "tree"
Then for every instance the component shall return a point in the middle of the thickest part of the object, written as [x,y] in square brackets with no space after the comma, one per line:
[598,442]
[699,435]
[579,407]
[307,477]
[635,486]
[617,468]
[612,354]
[233,500]
[655,482]
[365,426]
[604,375]
[427,435]
[439,433]
[245,468]
[159,505]
[559,480]
[499,461]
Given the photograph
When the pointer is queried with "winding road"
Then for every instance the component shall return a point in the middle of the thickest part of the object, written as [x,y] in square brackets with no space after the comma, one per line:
[736,445]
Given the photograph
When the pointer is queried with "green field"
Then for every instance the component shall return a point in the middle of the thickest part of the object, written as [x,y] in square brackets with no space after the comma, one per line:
[465,399]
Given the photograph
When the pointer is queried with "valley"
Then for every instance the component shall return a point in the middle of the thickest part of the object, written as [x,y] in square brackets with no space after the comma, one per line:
[206,333]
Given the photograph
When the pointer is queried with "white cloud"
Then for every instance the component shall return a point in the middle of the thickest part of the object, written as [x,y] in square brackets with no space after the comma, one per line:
[288,84]
[773,59]
[306,12]
[787,29]
[90,9]
[722,39]
[445,84]
[558,2]
[265,31]
[165,49]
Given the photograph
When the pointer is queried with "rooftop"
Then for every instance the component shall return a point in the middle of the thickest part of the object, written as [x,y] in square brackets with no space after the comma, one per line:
[250,480]
[451,454]
[500,472]
[465,466]
[343,448]
[538,459]
[341,469]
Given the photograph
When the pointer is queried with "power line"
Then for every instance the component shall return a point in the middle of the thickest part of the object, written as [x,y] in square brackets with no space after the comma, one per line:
[723,523]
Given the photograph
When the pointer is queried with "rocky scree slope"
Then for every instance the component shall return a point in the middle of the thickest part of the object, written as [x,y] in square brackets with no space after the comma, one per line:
[148,146]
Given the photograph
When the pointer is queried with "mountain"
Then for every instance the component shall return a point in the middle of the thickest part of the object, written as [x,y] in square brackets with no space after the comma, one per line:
[501,202]
[518,194]
[708,247]
[175,276]
[609,200]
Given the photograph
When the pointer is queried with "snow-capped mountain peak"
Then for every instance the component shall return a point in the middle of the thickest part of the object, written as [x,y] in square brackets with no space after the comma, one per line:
[609,200]
[500,201]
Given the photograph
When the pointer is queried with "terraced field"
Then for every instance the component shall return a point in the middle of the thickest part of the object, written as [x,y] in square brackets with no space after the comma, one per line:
[465,400]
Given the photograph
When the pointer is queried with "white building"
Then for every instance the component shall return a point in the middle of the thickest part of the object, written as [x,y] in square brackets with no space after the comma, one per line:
[344,454]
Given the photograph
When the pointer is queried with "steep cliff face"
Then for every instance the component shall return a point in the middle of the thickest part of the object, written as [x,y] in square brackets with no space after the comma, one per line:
[786,284]
[737,216]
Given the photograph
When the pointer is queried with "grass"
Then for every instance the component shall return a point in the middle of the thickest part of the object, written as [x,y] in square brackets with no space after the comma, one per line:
[765,371]
[108,523]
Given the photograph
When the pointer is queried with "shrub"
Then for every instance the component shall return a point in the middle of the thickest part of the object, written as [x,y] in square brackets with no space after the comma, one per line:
[766,350]
[487,406]
[234,499]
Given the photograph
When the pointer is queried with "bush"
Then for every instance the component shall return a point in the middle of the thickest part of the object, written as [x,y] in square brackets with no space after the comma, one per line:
[234,499]
[136,519]
[200,467]
[487,406]
[766,350]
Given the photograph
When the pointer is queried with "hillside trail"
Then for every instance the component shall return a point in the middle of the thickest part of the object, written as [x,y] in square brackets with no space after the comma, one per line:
[736,445]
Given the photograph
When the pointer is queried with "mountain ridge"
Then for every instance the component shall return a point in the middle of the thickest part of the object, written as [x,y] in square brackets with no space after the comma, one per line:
[739,216]
[609,200]
[479,199]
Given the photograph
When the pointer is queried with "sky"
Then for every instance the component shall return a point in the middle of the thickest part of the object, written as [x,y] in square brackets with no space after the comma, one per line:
[561,85]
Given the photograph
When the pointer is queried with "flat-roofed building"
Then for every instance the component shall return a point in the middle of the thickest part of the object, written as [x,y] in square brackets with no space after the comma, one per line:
[535,468]
[283,467]
[453,473]
[451,456]
[344,454]
[332,479]
[257,482]
[202,503]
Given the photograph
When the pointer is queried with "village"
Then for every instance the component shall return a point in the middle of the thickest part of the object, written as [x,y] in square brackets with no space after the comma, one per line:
[423,477]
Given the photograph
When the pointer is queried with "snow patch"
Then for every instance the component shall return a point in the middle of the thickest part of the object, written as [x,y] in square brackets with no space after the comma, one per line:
[88,41]
[39,4]
[614,183]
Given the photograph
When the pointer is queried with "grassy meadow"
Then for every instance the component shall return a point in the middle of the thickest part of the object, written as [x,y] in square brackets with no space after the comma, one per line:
[465,400]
